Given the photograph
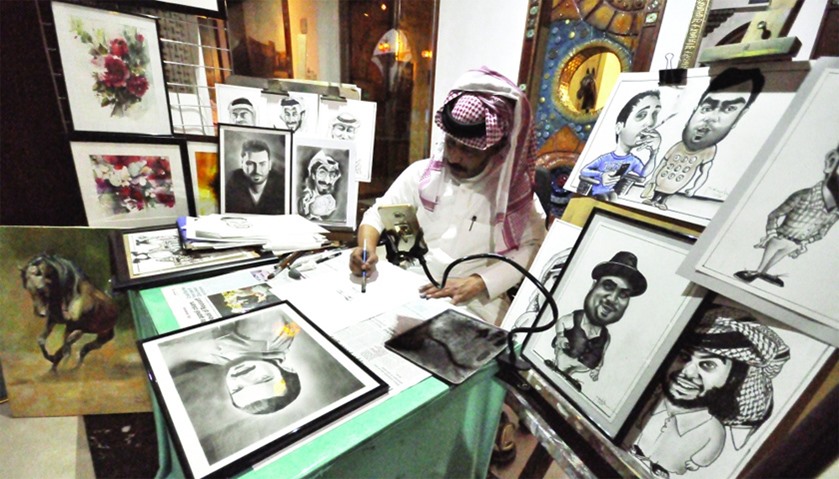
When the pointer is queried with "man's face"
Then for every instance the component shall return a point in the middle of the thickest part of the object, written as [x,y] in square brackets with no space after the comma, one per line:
[713,118]
[243,115]
[292,116]
[343,131]
[464,162]
[253,380]
[642,118]
[256,166]
[325,178]
[607,300]
[697,372]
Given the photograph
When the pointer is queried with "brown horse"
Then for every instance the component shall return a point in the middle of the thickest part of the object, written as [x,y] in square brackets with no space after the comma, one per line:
[62,293]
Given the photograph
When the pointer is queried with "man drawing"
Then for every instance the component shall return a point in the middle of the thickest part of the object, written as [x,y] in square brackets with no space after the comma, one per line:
[256,187]
[722,377]
[292,113]
[316,200]
[803,218]
[344,126]
[242,112]
[685,167]
[634,130]
[581,336]
[251,354]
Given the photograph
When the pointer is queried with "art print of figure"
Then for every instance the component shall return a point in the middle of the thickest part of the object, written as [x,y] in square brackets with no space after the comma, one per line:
[805,217]
[125,184]
[635,135]
[685,167]
[582,336]
[292,113]
[587,94]
[63,294]
[242,112]
[721,381]
[317,201]
[255,181]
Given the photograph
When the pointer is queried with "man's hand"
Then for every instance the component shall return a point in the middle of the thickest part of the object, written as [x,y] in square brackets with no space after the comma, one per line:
[594,374]
[648,139]
[357,265]
[460,290]
[691,466]
[609,179]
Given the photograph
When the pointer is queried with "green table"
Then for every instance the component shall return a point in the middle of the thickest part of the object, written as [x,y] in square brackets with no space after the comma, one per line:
[428,430]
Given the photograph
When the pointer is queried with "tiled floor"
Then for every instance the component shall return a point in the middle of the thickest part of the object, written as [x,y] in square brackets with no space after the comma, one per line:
[54,447]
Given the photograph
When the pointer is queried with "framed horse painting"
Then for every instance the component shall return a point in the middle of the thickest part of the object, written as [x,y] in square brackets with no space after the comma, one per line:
[67,345]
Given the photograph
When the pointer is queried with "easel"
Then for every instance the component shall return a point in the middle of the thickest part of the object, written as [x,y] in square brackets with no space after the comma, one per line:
[763,40]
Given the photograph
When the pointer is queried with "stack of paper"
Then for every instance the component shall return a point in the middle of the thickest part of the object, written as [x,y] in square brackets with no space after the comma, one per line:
[278,233]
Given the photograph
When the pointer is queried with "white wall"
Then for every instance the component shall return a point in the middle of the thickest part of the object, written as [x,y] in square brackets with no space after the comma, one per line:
[473,33]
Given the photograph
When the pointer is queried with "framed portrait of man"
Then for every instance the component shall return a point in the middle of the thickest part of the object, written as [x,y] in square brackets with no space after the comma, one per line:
[621,309]
[724,392]
[237,390]
[254,170]
[775,243]
[324,189]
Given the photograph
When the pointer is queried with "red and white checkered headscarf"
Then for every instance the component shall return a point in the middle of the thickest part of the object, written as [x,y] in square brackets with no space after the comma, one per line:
[483,95]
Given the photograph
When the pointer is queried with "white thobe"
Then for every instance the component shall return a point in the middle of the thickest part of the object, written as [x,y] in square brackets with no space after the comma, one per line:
[460,225]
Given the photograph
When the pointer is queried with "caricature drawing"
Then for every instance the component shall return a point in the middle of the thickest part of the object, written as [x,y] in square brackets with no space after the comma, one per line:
[317,200]
[634,132]
[582,336]
[803,218]
[686,165]
[721,382]
[551,270]
[293,113]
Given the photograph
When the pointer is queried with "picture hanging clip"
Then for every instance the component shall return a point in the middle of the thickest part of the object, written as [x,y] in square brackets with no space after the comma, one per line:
[276,87]
[672,76]
[333,93]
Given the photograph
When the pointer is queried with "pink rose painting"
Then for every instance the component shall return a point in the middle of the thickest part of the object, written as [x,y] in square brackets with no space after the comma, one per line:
[119,76]
[132,183]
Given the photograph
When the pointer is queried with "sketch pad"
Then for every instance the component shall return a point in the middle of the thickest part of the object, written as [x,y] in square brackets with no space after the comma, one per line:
[451,345]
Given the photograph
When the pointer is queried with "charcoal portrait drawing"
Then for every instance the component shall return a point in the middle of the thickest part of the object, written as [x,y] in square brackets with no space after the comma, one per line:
[722,378]
[582,336]
[805,217]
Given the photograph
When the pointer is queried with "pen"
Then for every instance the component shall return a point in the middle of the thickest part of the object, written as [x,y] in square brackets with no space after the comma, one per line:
[364,273]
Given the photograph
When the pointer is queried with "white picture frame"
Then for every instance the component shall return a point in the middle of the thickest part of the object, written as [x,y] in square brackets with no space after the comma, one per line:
[793,161]
[96,48]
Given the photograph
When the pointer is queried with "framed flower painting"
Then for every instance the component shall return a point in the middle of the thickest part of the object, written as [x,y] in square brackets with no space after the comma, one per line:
[112,69]
[133,184]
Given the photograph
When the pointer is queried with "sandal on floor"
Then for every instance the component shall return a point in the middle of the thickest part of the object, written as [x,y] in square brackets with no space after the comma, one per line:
[504,448]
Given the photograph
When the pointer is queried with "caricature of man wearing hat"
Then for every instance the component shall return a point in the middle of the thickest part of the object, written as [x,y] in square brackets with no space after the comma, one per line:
[581,336]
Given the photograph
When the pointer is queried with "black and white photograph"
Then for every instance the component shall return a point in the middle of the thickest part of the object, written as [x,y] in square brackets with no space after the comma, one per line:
[295,111]
[112,69]
[679,151]
[254,170]
[735,375]
[241,105]
[154,256]
[133,183]
[323,184]
[239,389]
[352,120]
[775,244]
[621,308]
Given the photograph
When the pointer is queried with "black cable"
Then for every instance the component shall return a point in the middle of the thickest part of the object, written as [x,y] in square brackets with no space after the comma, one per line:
[519,268]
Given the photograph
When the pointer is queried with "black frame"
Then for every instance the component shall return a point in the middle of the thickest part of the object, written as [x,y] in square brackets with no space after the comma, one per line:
[277,444]
[122,278]
[614,430]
